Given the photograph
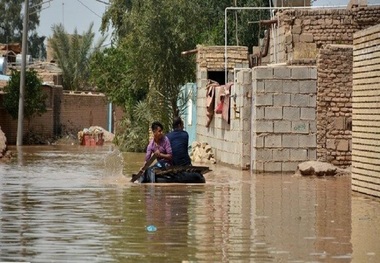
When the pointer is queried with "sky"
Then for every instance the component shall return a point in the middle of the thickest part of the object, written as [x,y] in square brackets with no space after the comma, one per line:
[72,14]
[80,13]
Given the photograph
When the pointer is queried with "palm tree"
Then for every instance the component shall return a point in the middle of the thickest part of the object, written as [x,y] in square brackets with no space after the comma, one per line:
[73,54]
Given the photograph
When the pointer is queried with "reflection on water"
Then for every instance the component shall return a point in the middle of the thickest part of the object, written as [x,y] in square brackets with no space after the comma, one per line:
[76,204]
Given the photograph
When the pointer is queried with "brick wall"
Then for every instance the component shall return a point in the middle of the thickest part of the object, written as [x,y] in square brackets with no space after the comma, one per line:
[334,109]
[43,125]
[366,112]
[212,57]
[82,110]
[66,113]
[301,33]
[283,117]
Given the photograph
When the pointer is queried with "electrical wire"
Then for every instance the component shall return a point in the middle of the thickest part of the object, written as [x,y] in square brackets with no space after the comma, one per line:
[100,1]
[89,8]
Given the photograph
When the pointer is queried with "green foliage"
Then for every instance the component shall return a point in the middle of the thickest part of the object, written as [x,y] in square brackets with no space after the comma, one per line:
[145,71]
[36,46]
[134,133]
[160,32]
[116,16]
[11,24]
[242,25]
[34,98]
[73,54]
[109,73]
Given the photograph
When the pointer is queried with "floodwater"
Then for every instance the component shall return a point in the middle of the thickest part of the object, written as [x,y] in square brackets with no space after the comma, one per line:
[76,204]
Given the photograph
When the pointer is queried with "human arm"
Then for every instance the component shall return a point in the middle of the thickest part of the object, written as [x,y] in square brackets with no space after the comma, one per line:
[149,150]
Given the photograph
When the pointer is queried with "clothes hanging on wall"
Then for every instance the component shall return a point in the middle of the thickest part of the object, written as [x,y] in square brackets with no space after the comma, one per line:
[226,112]
[223,106]
[210,100]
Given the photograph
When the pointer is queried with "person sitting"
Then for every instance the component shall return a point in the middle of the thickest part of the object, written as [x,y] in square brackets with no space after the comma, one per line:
[179,141]
[161,148]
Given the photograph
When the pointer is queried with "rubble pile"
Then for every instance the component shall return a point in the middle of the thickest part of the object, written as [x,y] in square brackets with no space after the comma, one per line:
[94,135]
[4,153]
[202,153]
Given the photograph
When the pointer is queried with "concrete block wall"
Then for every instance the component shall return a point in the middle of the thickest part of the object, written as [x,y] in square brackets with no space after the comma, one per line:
[366,112]
[230,142]
[334,104]
[283,117]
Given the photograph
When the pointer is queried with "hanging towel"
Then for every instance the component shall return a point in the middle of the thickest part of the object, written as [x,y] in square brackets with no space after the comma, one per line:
[226,102]
[210,100]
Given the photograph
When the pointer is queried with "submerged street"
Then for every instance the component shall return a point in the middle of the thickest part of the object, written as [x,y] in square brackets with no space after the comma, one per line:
[76,204]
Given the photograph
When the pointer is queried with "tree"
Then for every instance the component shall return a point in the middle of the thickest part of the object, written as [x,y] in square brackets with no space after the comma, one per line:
[151,34]
[243,26]
[159,32]
[116,16]
[11,24]
[36,46]
[73,54]
[34,103]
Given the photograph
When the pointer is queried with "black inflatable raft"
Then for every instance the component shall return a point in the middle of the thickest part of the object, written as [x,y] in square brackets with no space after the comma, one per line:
[176,174]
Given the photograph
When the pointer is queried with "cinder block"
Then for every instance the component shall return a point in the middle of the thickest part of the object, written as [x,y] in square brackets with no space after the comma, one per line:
[290,140]
[281,99]
[308,113]
[313,126]
[263,126]
[263,100]
[312,154]
[313,73]
[280,154]
[230,147]
[258,113]
[300,127]
[262,72]
[272,167]
[258,142]
[307,140]
[273,86]
[291,113]
[308,86]
[313,101]
[264,154]
[281,72]
[273,113]
[282,126]
[291,86]
[260,86]
[272,141]
[300,100]
[247,77]
[289,166]
[298,155]
[300,72]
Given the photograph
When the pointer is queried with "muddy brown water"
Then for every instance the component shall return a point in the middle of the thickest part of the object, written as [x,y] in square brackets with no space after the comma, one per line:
[75,204]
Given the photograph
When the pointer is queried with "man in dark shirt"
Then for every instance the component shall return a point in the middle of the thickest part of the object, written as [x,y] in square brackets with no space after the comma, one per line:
[179,141]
